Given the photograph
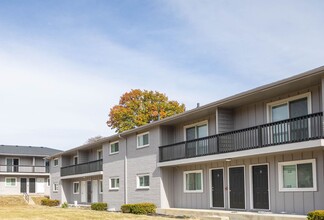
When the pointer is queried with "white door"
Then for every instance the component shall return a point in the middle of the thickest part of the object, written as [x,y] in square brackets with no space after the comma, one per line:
[40,185]
[83,191]
[94,190]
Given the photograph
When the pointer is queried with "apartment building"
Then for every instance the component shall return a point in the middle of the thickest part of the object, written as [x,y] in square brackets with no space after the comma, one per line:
[24,169]
[258,150]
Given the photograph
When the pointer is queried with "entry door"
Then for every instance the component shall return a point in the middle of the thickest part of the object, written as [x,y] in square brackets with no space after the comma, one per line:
[89,191]
[31,185]
[236,188]
[83,191]
[94,191]
[23,185]
[260,187]
[217,187]
[40,185]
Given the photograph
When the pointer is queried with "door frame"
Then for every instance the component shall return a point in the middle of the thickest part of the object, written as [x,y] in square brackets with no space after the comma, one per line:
[95,191]
[229,189]
[210,187]
[251,185]
[84,191]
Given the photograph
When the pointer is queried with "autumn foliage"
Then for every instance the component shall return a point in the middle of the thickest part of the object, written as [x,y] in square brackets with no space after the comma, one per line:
[137,108]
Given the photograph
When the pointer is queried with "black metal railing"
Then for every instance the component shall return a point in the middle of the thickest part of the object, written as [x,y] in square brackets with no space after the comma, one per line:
[81,168]
[23,169]
[304,128]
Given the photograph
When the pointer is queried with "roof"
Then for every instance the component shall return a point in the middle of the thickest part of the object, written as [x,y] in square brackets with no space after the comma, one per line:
[272,89]
[27,150]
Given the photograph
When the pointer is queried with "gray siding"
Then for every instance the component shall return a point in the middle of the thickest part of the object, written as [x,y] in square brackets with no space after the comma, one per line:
[288,202]
[225,120]
[55,175]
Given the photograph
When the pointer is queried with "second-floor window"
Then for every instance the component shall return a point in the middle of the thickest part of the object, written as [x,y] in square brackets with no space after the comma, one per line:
[99,154]
[75,160]
[143,140]
[12,165]
[114,147]
[196,131]
[55,161]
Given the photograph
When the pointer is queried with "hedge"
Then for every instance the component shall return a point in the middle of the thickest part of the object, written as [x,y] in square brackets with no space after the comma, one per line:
[139,208]
[50,202]
[316,215]
[99,206]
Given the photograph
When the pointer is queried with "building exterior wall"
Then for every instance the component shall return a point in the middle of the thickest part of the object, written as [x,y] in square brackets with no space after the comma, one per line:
[55,178]
[280,202]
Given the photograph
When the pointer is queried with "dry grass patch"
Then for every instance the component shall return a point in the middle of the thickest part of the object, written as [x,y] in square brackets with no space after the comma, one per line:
[41,212]
[38,199]
[12,201]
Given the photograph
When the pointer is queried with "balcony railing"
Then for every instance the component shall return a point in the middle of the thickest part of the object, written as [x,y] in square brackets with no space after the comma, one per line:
[81,168]
[23,169]
[304,128]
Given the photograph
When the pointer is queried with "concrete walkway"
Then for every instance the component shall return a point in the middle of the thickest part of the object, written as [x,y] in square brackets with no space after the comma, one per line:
[228,215]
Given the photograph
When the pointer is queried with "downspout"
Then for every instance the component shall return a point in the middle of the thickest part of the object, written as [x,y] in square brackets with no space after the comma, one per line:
[125,172]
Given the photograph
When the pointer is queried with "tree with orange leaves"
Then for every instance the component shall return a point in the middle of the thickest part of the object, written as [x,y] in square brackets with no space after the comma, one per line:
[137,108]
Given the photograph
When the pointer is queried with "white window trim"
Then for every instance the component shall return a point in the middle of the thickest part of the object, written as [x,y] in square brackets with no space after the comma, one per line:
[55,190]
[100,187]
[295,162]
[138,181]
[113,178]
[142,134]
[78,188]
[229,189]
[48,182]
[205,122]
[100,150]
[210,187]
[10,178]
[54,162]
[251,185]
[202,181]
[12,159]
[307,95]
[112,153]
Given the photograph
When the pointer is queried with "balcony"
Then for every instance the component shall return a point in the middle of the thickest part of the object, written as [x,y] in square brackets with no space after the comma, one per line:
[23,169]
[304,128]
[82,168]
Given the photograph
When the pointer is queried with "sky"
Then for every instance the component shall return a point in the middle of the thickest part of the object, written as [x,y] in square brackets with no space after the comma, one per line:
[64,64]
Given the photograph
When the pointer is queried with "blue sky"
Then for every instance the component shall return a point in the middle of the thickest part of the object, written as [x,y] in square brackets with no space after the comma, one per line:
[64,64]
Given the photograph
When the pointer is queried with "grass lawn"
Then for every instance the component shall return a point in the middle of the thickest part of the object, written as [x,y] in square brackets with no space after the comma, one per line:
[42,212]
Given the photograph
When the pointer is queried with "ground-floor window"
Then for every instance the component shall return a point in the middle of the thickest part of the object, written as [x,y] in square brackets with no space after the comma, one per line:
[100,187]
[76,187]
[297,175]
[114,183]
[143,181]
[55,187]
[11,181]
[48,182]
[193,181]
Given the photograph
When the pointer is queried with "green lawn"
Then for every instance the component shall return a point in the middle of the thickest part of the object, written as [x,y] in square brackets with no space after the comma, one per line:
[42,212]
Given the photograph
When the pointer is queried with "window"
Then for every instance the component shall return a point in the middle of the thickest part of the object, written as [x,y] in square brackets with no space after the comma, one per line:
[195,131]
[297,175]
[12,164]
[48,182]
[143,140]
[293,107]
[193,181]
[99,154]
[55,187]
[75,160]
[100,186]
[11,181]
[114,147]
[143,181]
[76,186]
[114,183]
[55,162]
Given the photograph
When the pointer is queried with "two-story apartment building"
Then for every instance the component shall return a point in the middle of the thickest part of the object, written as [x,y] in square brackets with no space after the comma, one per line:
[24,169]
[257,150]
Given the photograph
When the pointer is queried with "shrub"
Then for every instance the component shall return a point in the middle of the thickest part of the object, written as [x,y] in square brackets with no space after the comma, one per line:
[316,215]
[50,202]
[65,205]
[139,208]
[99,206]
